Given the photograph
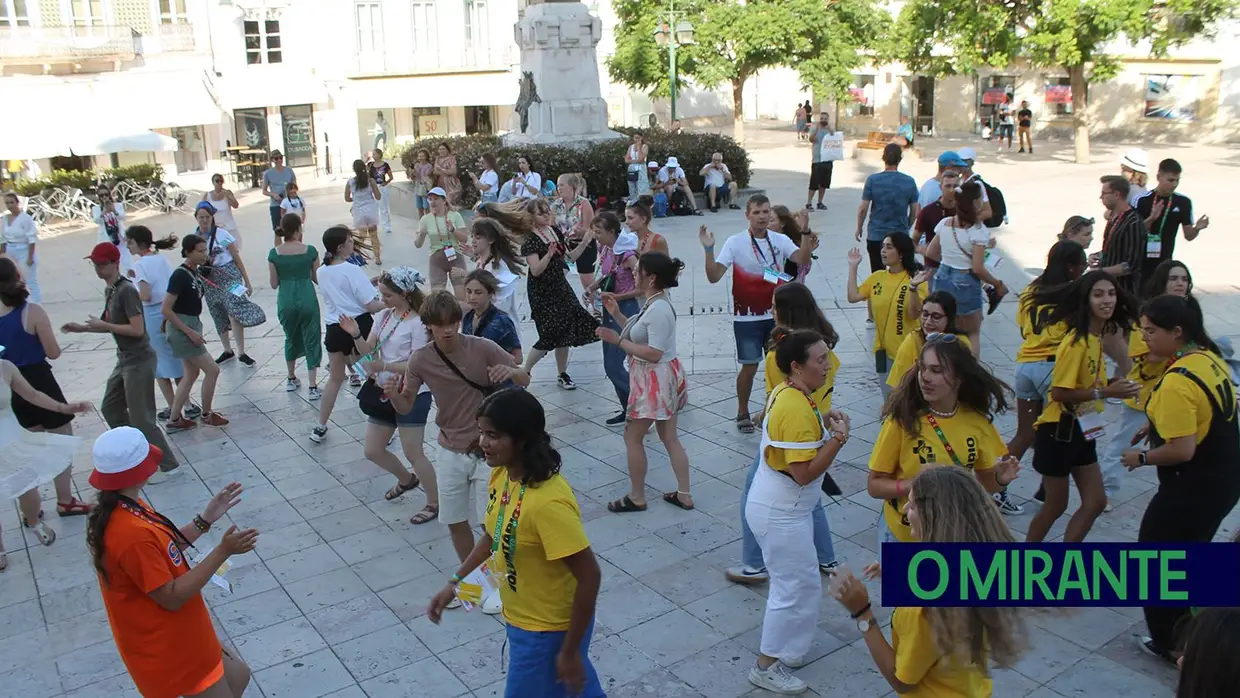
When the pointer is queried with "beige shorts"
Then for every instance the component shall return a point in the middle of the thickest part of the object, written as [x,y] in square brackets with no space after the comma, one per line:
[462,482]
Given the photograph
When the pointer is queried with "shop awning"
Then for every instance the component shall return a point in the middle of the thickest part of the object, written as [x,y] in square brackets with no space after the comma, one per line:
[51,111]
[454,90]
[103,138]
[160,100]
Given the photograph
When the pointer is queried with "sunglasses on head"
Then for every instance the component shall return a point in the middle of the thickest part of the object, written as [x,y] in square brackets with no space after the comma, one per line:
[941,338]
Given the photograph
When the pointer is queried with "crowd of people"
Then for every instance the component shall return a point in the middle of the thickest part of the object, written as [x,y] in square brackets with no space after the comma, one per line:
[939,470]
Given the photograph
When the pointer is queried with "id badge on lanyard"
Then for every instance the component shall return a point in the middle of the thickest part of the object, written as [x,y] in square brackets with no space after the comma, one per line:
[993,260]
[1153,246]
[772,276]
[1092,424]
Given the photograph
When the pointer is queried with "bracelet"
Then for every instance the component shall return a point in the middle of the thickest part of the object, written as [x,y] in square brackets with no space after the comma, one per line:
[201,524]
[710,249]
[899,485]
[356,336]
[1097,394]
[456,579]
[862,612]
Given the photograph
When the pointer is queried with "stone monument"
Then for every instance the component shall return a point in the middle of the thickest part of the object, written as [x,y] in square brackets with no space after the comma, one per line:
[561,99]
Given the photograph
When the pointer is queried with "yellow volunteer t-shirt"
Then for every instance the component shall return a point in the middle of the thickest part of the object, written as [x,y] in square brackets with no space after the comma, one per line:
[1177,407]
[1144,370]
[548,530]
[790,418]
[919,662]
[1078,366]
[888,296]
[973,437]
[1039,339]
[822,396]
[910,351]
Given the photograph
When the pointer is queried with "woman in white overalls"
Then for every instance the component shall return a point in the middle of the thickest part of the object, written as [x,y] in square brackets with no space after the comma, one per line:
[797,448]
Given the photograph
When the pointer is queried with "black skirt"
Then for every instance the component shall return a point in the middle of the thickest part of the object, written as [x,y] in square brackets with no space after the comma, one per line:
[40,377]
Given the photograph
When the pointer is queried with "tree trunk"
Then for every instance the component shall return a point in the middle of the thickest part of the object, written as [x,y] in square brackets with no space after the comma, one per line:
[738,109]
[1080,115]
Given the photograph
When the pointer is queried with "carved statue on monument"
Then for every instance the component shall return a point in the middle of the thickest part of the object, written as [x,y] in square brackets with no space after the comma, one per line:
[527,98]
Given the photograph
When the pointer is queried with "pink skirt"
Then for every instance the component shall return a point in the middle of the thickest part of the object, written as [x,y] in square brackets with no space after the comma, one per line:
[656,391]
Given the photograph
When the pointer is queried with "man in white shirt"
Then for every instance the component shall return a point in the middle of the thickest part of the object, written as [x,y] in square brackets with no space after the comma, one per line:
[717,176]
[932,190]
[757,257]
[671,177]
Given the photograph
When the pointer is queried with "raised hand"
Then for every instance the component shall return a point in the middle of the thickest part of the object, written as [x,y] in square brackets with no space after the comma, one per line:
[610,303]
[348,324]
[223,500]
[922,277]
[706,237]
[854,257]
[237,542]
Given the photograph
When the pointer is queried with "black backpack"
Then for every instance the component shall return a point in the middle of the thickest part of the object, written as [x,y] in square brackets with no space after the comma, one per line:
[998,207]
[680,204]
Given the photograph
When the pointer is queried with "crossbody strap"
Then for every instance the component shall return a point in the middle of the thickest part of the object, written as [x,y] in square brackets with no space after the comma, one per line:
[482,389]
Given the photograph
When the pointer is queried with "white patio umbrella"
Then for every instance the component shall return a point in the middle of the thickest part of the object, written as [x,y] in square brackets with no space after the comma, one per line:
[138,141]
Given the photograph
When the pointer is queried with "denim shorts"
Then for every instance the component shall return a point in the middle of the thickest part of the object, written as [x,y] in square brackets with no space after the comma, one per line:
[415,417]
[751,339]
[963,286]
[1033,380]
[421,201]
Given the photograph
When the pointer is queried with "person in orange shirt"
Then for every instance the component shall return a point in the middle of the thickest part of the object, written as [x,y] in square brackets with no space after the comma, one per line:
[153,597]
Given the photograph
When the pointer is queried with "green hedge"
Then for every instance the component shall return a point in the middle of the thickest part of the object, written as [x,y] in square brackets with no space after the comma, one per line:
[80,179]
[602,162]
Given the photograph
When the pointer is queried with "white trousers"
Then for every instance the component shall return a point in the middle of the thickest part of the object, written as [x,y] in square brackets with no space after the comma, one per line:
[779,514]
[385,209]
[19,252]
[1130,422]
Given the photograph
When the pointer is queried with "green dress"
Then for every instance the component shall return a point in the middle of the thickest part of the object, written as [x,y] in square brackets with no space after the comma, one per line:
[297,306]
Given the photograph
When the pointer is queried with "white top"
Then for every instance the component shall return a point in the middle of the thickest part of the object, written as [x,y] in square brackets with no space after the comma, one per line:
[345,290]
[400,339]
[294,205]
[116,219]
[975,177]
[533,180]
[655,326]
[362,197]
[953,255]
[21,230]
[492,178]
[155,270]
[223,212]
[223,239]
[751,293]
[506,278]
[716,178]
[930,192]
[666,175]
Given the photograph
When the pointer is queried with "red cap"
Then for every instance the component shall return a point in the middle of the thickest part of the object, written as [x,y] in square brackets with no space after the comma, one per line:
[104,253]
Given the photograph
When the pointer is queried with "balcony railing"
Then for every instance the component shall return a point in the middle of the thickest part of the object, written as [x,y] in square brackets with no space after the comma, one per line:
[398,61]
[168,38]
[35,45]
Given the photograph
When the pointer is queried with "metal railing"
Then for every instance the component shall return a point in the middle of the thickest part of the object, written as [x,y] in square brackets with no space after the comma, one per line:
[32,45]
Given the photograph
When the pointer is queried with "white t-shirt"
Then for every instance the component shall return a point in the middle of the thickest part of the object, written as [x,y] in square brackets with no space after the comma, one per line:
[154,270]
[223,239]
[1135,191]
[667,175]
[716,178]
[931,191]
[117,219]
[345,290]
[400,339]
[506,278]
[533,182]
[751,292]
[21,230]
[294,205]
[953,256]
[492,178]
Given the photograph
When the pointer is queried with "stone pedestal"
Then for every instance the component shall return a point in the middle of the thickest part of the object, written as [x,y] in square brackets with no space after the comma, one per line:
[561,99]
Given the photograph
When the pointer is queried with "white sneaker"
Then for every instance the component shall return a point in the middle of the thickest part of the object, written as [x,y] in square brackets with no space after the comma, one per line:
[314,393]
[291,385]
[318,433]
[776,679]
[454,603]
[492,606]
[747,575]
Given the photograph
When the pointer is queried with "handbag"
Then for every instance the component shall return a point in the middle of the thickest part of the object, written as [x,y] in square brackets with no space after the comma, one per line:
[484,389]
[632,176]
[372,403]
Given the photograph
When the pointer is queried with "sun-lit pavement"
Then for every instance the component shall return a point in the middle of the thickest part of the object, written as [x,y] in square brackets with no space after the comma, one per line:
[333,600]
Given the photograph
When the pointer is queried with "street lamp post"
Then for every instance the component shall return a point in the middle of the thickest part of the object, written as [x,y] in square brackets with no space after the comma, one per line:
[672,34]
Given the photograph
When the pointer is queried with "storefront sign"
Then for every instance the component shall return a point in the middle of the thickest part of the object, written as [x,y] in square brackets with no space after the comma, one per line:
[298,127]
[1059,94]
[994,95]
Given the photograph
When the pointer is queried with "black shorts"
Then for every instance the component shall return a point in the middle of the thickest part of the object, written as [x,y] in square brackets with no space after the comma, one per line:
[1054,458]
[587,260]
[875,248]
[337,341]
[40,377]
[820,175]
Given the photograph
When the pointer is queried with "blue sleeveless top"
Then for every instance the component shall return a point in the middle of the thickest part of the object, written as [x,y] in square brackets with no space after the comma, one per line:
[20,347]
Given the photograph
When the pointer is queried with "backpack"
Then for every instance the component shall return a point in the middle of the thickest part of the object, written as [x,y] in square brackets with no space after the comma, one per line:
[680,204]
[998,207]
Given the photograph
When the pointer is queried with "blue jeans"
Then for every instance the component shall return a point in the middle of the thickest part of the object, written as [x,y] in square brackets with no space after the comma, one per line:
[751,552]
[531,665]
[614,356]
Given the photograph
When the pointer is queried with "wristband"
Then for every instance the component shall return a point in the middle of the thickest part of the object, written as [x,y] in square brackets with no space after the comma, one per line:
[356,336]
[862,612]
[201,524]
[710,249]
[1097,394]
[899,487]
[456,579]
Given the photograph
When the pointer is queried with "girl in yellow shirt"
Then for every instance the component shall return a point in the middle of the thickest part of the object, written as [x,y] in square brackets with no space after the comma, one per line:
[940,652]
[536,552]
[938,315]
[1066,432]
[895,300]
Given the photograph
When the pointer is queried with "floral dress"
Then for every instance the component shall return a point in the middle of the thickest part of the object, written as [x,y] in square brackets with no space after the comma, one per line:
[558,315]
[451,183]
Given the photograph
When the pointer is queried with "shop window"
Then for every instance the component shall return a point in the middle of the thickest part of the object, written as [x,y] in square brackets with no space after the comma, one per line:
[191,154]
[297,123]
[1171,97]
[862,92]
[251,125]
[1058,98]
[262,42]
[13,13]
[173,12]
[429,122]
[478,120]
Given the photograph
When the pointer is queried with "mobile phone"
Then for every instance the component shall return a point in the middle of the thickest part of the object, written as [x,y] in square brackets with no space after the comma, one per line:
[1066,425]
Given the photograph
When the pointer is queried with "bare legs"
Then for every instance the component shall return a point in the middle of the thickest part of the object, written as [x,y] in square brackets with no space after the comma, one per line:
[634,435]
[1027,412]
[233,685]
[234,328]
[335,379]
[971,326]
[169,392]
[313,373]
[536,355]
[1093,500]
[462,539]
[211,373]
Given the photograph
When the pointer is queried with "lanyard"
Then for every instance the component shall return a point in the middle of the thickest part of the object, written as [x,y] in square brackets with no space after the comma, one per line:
[442,235]
[934,424]
[1166,212]
[809,398]
[509,533]
[375,352]
[156,519]
[758,252]
[107,298]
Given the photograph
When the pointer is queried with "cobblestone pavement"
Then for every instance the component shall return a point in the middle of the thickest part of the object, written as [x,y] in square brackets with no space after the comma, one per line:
[333,600]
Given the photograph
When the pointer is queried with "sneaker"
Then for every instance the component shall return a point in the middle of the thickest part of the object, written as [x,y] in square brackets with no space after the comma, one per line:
[1146,644]
[245,359]
[809,207]
[795,662]
[291,385]
[318,434]
[1040,495]
[193,411]
[616,421]
[565,382]
[821,206]
[314,393]
[1021,150]
[828,569]
[181,424]
[993,297]
[1006,506]
[226,356]
[492,606]
[734,207]
[869,321]
[164,415]
[776,679]
[214,419]
[747,575]
[355,381]
[454,603]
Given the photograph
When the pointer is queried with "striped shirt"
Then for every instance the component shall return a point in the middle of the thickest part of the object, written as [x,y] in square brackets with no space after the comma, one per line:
[1124,241]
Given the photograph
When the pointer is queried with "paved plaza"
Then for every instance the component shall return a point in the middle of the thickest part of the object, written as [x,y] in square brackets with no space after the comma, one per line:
[332,602]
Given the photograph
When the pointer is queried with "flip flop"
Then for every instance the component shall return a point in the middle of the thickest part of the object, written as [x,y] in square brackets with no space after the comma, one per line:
[624,505]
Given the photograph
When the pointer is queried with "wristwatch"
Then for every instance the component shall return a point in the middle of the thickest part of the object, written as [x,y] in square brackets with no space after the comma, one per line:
[864,625]
[1141,458]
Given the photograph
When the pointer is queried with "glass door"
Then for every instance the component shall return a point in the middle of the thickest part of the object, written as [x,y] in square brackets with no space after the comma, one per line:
[298,126]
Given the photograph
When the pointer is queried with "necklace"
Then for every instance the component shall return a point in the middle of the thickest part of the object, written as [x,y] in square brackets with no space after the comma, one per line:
[944,415]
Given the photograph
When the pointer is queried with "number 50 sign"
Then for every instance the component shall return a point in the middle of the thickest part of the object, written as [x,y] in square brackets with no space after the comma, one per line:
[430,125]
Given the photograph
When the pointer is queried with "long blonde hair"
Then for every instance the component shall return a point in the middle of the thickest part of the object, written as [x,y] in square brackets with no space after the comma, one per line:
[954,508]
[512,215]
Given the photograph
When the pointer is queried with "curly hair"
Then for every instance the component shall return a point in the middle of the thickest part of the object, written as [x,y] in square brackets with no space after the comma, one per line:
[953,508]
[518,415]
[978,389]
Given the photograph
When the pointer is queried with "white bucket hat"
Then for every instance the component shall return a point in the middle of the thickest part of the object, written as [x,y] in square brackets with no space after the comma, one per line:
[1136,160]
[123,458]
[672,163]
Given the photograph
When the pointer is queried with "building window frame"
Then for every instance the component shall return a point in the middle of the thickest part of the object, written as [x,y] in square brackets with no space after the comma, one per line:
[423,23]
[69,10]
[10,17]
[477,24]
[262,40]
[177,11]
[1057,110]
[375,29]
[1160,103]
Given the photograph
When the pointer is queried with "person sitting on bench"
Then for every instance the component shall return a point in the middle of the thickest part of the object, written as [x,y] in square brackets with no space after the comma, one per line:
[718,177]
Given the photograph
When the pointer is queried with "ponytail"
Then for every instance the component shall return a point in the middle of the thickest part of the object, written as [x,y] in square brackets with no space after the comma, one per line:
[97,525]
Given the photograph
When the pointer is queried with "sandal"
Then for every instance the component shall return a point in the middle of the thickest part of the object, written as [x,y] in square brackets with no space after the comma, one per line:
[75,507]
[675,498]
[430,512]
[744,425]
[45,535]
[398,490]
[624,505]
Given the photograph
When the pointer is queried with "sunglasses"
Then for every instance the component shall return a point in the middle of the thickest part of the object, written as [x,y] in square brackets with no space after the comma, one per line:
[941,337]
